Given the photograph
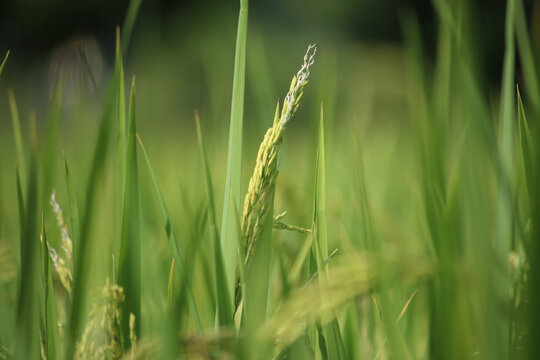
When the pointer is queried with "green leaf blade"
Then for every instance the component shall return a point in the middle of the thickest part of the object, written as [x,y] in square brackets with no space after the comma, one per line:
[504,225]
[333,342]
[171,237]
[52,344]
[82,258]
[27,344]
[4,62]
[224,313]
[229,229]
[129,269]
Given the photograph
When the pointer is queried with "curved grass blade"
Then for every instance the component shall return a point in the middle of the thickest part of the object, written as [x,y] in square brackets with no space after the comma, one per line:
[4,62]
[179,263]
[129,268]
[229,229]
[224,314]
[528,152]
[170,286]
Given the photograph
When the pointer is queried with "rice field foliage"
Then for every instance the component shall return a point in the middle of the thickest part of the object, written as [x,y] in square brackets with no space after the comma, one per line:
[387,209]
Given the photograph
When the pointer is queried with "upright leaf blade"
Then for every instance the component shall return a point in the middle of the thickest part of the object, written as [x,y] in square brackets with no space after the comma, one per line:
[330,340]
[52,345]
[223,297]
[504,227]
[170,286]
[127,28]
[229,229]
[82,258]
[72,205]
[171,237]
[121,145]
[27,345]
[319,218]
[129,269]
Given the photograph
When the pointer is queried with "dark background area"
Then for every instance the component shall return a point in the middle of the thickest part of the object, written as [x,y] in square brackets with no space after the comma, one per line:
[32,28]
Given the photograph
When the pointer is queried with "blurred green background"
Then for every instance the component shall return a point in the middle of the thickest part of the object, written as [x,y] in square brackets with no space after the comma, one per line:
[369,68]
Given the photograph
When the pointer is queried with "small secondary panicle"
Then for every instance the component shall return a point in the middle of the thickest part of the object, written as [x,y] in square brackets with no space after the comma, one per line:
[102,337]
[62,264]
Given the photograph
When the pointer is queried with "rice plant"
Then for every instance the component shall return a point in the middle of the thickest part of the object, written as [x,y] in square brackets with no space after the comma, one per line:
[347,230]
